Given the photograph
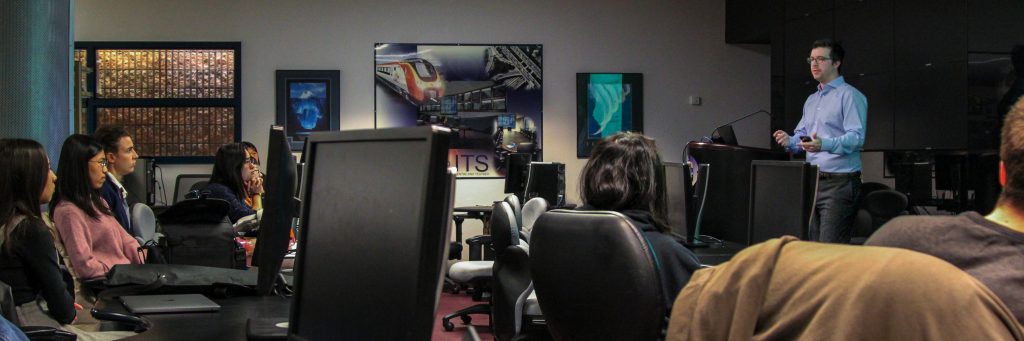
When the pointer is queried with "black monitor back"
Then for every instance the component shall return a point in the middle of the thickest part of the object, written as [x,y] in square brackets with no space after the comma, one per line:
[376,208]
[278,210]
[546,180]
[517,169]
[676,187]
[726,135]
[781,199]
[140,183]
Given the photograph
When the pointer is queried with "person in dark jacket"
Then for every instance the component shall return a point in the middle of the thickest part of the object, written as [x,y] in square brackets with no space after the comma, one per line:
[119,150]
[621,176]
[233,173]
[29,263]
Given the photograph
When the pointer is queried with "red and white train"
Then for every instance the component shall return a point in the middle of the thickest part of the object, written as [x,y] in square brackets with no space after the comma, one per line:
[415,79]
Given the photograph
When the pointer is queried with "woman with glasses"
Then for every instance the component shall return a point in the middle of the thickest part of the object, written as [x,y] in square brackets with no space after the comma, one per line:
[253,186]
[233,173]
[93,239]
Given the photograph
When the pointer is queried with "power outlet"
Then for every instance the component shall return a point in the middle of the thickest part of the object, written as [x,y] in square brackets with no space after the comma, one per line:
[695,100]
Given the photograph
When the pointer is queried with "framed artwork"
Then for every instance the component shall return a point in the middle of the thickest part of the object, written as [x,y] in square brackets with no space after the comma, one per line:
[489,95]
[307,101]
[607,103]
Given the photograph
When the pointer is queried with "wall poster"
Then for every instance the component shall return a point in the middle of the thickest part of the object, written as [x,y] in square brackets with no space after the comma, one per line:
[489,95]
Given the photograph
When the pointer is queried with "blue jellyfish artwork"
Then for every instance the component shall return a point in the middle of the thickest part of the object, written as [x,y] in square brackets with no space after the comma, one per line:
[308,101]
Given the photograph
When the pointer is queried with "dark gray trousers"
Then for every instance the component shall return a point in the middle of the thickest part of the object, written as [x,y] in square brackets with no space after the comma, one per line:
[835,209]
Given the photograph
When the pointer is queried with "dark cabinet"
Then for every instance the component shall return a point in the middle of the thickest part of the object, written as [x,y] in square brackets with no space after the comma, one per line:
[878,89]
[805,8]
[796,95]
[929,32]
[930,107]
[994,25]
[865,30]
[799,36]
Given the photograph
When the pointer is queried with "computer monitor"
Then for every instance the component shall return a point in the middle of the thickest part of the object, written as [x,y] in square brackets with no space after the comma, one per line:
[676,189]
[507,121]
[517,169]
[725,135]
[546,180]
[140,183]
[781,199]
[279,204]
[376,211]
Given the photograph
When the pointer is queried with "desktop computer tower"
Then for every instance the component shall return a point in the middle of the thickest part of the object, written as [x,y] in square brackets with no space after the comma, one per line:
[140,183]
[546,180]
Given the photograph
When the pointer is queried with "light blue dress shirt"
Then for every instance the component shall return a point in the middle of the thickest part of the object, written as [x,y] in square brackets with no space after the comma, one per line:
[838,113]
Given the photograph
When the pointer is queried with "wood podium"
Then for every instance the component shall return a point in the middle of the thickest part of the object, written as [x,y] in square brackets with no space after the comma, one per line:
[727,200]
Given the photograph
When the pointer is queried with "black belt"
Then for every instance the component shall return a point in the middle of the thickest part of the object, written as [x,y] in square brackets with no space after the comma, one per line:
[827,175]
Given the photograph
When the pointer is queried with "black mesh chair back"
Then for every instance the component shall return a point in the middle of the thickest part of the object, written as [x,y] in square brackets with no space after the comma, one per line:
[512,285]
[595,277]
[504,228]
[517,209]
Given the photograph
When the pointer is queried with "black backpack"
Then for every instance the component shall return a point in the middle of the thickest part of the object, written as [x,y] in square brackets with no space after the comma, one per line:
[198,232]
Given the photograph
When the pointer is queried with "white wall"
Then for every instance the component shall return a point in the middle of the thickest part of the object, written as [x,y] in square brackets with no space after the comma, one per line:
[678,46]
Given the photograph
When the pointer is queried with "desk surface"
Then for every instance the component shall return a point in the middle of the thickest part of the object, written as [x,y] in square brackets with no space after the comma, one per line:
[718,253]
[227,324]
[473,209]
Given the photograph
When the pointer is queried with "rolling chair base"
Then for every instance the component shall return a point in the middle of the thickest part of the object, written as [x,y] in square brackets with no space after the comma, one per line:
[464,315]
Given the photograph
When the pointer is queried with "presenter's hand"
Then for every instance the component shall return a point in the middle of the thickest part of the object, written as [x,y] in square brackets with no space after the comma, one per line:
[813,146]
[781,137]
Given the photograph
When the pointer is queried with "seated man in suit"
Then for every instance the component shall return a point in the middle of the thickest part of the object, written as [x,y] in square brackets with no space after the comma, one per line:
[120,153]
[990,248]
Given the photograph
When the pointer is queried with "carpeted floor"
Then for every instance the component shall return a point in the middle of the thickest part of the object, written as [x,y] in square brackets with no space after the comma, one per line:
[449,303]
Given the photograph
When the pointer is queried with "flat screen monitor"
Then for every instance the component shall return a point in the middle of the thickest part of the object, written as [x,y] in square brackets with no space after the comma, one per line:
[781,199]
[375,215]
[507,121]
[278,210]
[725,135]
[546,180]
[140,183]
[676,187]
[517,169]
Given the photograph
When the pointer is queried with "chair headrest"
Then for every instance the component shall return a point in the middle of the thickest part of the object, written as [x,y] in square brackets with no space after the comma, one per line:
[599,263]
[143,220]
[532,210]
[504,231]
[886,202]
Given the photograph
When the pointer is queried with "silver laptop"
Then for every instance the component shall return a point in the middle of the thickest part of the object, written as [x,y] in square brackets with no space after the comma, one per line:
[148,304]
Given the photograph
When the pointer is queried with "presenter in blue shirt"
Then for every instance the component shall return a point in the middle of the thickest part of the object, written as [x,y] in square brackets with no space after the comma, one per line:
[831,132]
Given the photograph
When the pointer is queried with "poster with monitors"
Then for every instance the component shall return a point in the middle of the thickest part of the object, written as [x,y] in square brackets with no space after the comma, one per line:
[490,96]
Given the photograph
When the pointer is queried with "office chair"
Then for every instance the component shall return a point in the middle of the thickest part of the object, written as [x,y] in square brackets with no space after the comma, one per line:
[595,277]
[186,183]
[884,205]
[10,312]
[504,233]
[517,209]
[513,304]
[144,226]
[531,211]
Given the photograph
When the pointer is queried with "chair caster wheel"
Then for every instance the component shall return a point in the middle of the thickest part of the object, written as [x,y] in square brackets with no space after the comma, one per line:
[466,319]
[448,326]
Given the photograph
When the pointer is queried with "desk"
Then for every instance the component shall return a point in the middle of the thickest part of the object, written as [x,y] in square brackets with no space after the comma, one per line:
[474,212]
[227,324]
[717,253]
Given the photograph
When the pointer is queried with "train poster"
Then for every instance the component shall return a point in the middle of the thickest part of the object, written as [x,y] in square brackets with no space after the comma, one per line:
[489,95]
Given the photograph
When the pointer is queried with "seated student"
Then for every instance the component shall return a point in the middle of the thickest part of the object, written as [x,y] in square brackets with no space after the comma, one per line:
[233,173]
[120,153]
[621,176]
[93,239]
[990,248]
[28,259]
[29,263]
[254,186]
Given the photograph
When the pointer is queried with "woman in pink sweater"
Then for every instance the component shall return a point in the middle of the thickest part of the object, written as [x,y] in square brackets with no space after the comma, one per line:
[93,238]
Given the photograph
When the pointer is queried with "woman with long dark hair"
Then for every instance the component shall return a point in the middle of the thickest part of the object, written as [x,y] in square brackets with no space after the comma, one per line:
[233,171]
[28,259]
[92,237]
[622,176]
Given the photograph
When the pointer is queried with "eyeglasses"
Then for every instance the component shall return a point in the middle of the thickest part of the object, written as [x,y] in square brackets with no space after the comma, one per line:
[103,163]
[811,60]
[252,160]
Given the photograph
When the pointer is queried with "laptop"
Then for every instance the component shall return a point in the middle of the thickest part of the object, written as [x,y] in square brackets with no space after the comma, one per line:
[183,303]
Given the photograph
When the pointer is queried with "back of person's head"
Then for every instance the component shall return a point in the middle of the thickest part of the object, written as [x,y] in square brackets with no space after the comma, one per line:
[23,176]
[110,137]
[837,53]
[74,181]
[227,167]
[1011,151]
[622,174]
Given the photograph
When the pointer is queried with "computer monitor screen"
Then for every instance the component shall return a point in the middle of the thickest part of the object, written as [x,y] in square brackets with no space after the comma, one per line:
[375,222]
[546,180]
[507,121]
[278,209]
[781,199]
[677,191]
[139,184]
[517,168]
